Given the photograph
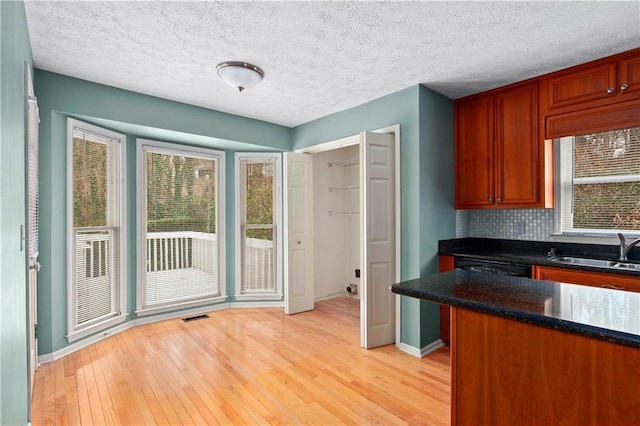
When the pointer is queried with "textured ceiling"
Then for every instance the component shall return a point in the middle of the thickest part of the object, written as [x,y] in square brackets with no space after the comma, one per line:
[321,57]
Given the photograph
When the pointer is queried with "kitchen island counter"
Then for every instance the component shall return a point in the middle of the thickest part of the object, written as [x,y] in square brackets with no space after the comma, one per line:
[598,313]
[536,352]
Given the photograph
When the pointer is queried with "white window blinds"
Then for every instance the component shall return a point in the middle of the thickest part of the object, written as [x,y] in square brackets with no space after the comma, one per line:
[96,210]
[32,178]
[600,181]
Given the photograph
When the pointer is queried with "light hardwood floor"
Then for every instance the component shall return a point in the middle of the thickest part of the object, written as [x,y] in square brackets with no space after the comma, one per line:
[245,366]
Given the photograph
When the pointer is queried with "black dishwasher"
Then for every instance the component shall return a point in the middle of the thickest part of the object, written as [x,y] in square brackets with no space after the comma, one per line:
[493,267]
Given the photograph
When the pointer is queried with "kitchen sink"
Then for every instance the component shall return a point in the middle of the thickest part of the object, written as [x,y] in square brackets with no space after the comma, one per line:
[597,263]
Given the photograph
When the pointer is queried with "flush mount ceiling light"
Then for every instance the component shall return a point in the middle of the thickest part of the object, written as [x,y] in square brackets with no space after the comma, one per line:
[240,75]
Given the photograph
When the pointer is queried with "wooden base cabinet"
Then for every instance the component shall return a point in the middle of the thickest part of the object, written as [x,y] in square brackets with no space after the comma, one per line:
[595,279]
[499,157]
[508,373]
[447,263]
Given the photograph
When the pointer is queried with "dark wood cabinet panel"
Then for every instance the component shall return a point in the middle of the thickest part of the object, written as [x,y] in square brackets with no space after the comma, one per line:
[500,158]
[446,264]
[629,77]
[600,119]
[518,153]
[596,83]
[593,91]
[505,372]
[474,153]
[594,279]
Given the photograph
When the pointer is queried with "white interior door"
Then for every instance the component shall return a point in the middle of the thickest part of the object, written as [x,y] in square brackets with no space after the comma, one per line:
[33,266]
[377,308]
[298,226]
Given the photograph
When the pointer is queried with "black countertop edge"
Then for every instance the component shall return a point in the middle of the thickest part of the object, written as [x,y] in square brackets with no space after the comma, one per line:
[423,292]
[534,253]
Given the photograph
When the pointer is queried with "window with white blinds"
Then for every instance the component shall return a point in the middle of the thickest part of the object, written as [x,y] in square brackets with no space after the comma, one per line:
[179,260]
[96,298]
[257,178]
[599,182]
[32,178]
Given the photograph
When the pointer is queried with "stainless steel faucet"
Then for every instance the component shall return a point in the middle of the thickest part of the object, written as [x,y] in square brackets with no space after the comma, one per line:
[625,247]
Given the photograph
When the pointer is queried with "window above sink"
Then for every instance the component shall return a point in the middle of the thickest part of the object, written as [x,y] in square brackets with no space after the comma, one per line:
[598,184]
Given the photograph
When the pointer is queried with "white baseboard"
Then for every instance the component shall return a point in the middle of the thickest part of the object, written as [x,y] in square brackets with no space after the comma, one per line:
[87,341]
[90,340]
[421,353]
[262,304]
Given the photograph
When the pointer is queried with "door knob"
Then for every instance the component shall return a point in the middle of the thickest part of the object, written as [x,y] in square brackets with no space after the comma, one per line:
[298,242]
[610,90]
[624,86]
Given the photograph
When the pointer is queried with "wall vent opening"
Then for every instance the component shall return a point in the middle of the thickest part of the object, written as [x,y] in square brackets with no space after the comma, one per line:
[196,317]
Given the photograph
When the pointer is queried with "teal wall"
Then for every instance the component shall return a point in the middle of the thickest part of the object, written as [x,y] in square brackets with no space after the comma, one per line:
[437,213]
[15,49]
[426,132]
[136,115]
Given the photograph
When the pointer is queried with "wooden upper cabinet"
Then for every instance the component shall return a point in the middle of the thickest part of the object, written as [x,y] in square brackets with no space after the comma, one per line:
[595,83]
[602,82]
[474,153]
[629,77]
[499,155]
[518,151]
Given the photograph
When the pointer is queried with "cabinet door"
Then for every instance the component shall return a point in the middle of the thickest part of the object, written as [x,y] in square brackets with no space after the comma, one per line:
[594,279]
[518,148]
[629,77]
[592,85]
[474,153]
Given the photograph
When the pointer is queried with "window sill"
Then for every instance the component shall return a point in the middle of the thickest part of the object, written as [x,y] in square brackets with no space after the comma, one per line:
[96,328]
[584,238]
[258,297]
[179,306]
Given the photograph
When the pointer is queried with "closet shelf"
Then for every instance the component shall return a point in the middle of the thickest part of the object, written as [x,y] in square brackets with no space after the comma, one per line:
[344,162]
[343,188]
[342,213]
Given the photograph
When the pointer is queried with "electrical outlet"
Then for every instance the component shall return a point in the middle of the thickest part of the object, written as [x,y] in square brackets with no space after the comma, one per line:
[518,228]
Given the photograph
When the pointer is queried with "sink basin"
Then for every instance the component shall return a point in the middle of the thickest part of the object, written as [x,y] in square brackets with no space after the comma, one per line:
[597,263]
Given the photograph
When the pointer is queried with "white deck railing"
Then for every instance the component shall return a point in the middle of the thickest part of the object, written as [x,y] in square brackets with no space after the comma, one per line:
[169,251]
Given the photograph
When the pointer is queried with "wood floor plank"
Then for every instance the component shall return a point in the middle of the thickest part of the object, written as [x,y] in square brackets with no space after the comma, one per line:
[245,366]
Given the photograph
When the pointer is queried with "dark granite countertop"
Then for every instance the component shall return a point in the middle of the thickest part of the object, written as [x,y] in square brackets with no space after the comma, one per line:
[535,252]
[603,314]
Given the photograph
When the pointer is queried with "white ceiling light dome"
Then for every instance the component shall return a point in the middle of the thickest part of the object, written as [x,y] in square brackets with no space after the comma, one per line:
[240,75]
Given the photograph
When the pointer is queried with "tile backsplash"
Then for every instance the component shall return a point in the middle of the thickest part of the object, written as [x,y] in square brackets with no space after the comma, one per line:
[516,224]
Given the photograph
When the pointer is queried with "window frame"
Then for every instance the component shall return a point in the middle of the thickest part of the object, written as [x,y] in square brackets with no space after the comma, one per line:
[562,178]
[75,332]
[240,208]
[142,146]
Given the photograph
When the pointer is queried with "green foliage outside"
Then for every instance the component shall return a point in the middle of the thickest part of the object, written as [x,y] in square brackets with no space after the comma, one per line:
[89,184]
[180,194]
[607,205]
[260,198]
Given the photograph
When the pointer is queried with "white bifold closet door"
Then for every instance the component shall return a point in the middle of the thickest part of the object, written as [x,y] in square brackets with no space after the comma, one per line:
[378,231]
[378,224]
[298,225]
